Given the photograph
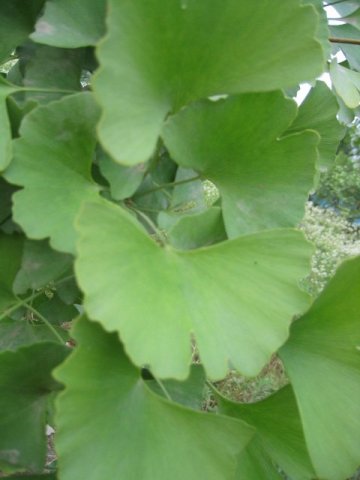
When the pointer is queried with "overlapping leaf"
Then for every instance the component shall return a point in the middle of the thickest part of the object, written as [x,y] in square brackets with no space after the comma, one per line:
[346,83]
[5,137]
[17,19]
[279,437]
[25,385]
[52,162]
[237,298]
[140,434]
[11,249]
[318,112]
[322,359]
[264,180]
[159,56]
[70,24]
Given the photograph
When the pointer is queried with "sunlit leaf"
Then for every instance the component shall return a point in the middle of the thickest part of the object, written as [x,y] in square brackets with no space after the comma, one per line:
[264,178]
[159,56]
[237,298]
[346,83]
[318,112]
[52,162]
[322,359]
[141,435]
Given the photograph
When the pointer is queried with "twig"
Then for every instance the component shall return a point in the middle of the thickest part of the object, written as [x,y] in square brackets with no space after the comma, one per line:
[351,41]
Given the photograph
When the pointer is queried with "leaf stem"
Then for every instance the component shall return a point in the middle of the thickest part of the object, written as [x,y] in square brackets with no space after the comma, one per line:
[162,387]
[150,223]
[351,41]
[47,90]
[166,185]
[334,3]
[23,302]
[43,319]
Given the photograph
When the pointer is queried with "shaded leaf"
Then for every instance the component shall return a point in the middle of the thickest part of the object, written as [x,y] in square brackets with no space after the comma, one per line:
[189,392]
[318,112]
[176,52]
[223,294]
[322,359]
[5,137]
[350,51]
[142,435]
[25,384]
[11,248]
[52,162]
[40,265]
[18,333]
[187,197]
[70,24]
[279,435]
[56,311]
[198,230]
[17,19]
[124,181]
[264,179]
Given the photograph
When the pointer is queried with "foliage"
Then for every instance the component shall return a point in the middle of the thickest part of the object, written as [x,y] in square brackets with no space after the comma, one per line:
[153,173]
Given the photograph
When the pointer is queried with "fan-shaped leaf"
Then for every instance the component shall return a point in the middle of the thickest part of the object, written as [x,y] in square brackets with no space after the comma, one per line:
[237,297]
[141,435]
[264,180]
[52,162]
[322,359]
[160,56]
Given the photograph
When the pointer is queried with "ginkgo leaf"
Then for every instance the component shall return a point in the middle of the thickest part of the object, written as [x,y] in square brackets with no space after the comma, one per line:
[17,19]
[318,112]
[140,434]
[25,385]
[11,250]
[279,434]
[346,83]
[159,56]
[70,24]
[198,230]
[5,137]
[264,179]
[40,265]
[322,359]
[52,161]
[237,298]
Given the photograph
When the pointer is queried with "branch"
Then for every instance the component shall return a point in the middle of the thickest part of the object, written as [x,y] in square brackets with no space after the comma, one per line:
[351,41]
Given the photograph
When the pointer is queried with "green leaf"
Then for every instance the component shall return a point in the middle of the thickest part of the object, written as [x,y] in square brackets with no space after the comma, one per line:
[55,310]
[264,178]
[318,112]
[11,248]
[189,393]
[70,24]
[33,477]
[198,230]
[6,190]
[159,56]
[52,162]
[323,28]
[254,464]
[40,265]
[279,433]
[5,137]
[350,51]
[17,19]
[224,295]
[346,83]
[53,68]
[322,359]
[25,385]
[124,181]
[140,434]
[18,333]
[188,197]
